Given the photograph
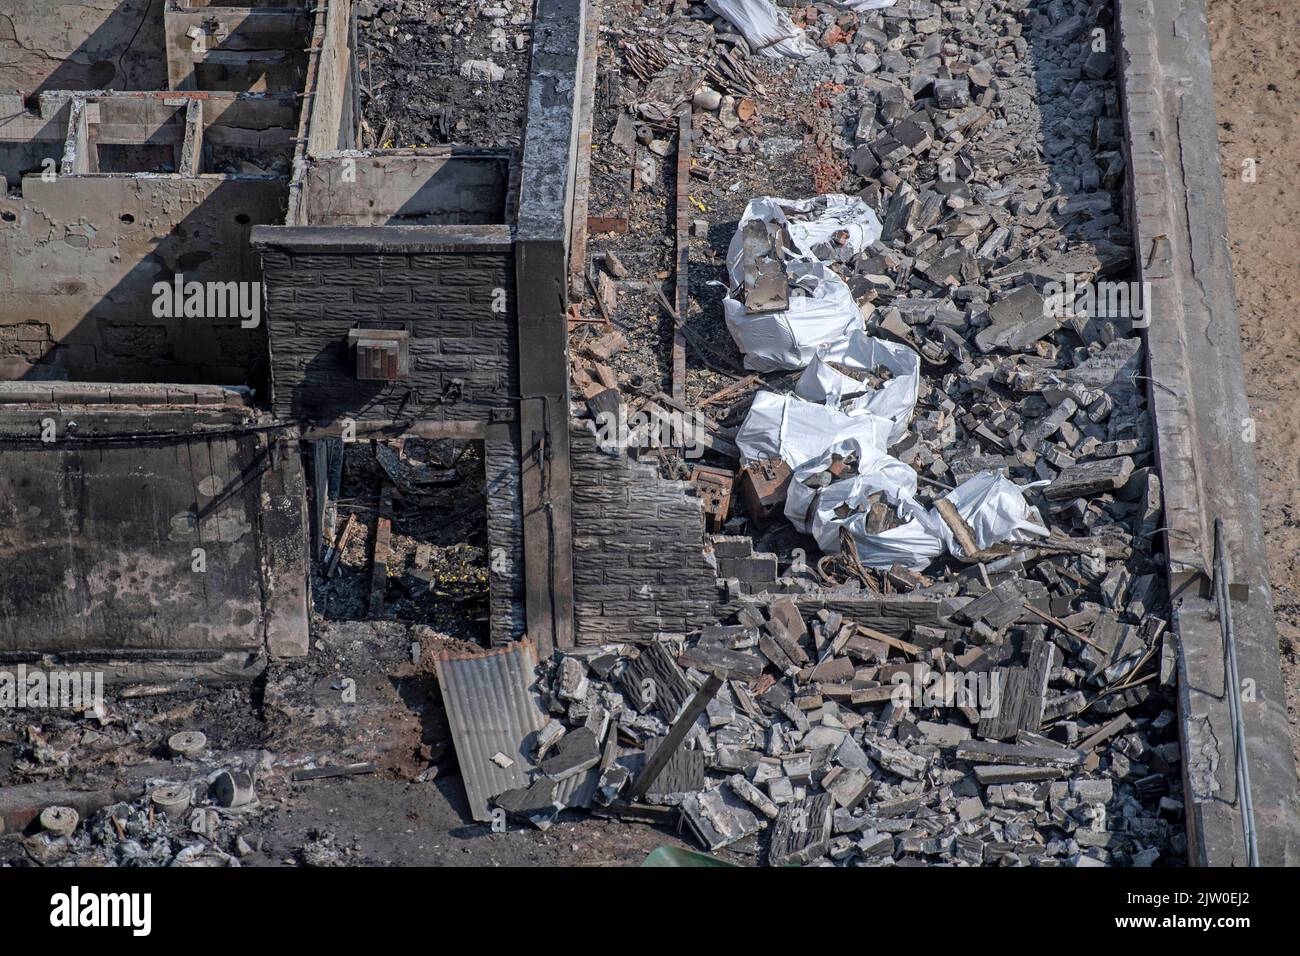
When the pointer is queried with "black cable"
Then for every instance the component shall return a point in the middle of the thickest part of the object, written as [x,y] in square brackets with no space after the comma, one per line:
[138,437]
[117,66]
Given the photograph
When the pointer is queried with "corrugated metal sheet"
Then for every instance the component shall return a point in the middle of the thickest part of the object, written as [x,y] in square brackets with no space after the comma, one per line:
[578,790]
[492,708]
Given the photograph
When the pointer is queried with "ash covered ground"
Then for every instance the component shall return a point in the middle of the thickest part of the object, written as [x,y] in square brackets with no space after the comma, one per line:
[443,72]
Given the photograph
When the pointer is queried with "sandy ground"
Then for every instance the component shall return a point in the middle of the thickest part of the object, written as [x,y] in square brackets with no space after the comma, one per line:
[1256,62]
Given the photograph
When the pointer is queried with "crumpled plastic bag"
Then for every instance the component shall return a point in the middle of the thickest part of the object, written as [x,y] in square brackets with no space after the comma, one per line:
[787,427]
[993,506]
[821,229]
[861,6]
[813,510]
[895,399]
[996,510]
[913,544]
[768,31]
[822,309]
[822,313]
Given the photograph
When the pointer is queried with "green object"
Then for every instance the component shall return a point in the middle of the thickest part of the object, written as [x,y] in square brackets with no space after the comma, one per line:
[672,856]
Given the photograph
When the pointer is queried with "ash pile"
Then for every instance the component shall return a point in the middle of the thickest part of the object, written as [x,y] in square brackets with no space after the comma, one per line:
[443,71]
[195,816]
[945,399]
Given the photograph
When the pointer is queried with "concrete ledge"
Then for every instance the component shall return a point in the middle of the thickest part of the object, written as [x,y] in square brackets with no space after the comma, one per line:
[1203,434]
[104,393]
[376,239]
[547,178]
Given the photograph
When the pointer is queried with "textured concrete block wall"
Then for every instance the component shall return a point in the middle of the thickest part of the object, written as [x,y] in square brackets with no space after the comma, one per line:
[460,303]
[505,532]
[79,260]
[639,567]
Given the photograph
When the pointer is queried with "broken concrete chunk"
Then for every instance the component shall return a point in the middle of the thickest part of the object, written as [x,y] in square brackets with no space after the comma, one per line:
[1089,478]
[802,832]
[1018,321]
[718,817]
[753,796]
[577,751]
[482,71]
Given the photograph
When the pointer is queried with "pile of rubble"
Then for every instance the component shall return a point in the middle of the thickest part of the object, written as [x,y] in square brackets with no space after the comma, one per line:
[433,560]
[971,327]
[1048,744]
[443,71]
[188,820]
[946,399]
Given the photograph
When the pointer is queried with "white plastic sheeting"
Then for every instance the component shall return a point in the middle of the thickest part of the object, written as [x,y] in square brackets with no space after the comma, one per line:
[813,510]
[895,399]
[806,436]
[833,226]
[766,29]
[822,309]
[913,544]
[993,506]
[861,6]
[822,314]
[787,427]
[834,413]
[996,510]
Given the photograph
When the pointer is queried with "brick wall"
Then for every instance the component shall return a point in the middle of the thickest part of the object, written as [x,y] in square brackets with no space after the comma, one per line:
[505,531]
[639,567]
[459,300]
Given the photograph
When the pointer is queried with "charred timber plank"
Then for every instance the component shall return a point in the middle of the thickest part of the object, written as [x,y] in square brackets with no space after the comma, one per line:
[383,540]
[683,252]
[676,735]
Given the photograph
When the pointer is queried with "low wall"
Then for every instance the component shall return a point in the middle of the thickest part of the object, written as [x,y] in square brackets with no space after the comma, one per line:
[146,536]
[1203,437]
[639,568]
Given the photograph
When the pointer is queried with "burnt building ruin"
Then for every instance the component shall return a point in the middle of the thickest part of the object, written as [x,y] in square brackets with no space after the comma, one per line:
[161,159]
[222,272]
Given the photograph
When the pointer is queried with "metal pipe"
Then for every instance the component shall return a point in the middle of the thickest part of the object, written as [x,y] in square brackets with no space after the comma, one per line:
[1233,692]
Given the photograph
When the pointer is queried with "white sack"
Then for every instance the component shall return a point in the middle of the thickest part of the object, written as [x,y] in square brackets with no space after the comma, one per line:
[822,313]
[994,507]
[812,510]
[895,399]
[913,544]
[862,6]
[786,427]
[766,29]
[810,226]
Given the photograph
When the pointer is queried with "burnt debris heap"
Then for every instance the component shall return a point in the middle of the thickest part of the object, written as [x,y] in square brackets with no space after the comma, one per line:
[794,356]
[964,656]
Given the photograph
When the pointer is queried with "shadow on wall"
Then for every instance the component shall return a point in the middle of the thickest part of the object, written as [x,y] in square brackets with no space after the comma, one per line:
[123,45]
[100,540]
[124,50]
[108,319]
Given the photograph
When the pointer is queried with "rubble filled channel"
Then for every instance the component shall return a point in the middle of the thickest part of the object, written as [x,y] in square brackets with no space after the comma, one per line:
[443,71]
[1015,706]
